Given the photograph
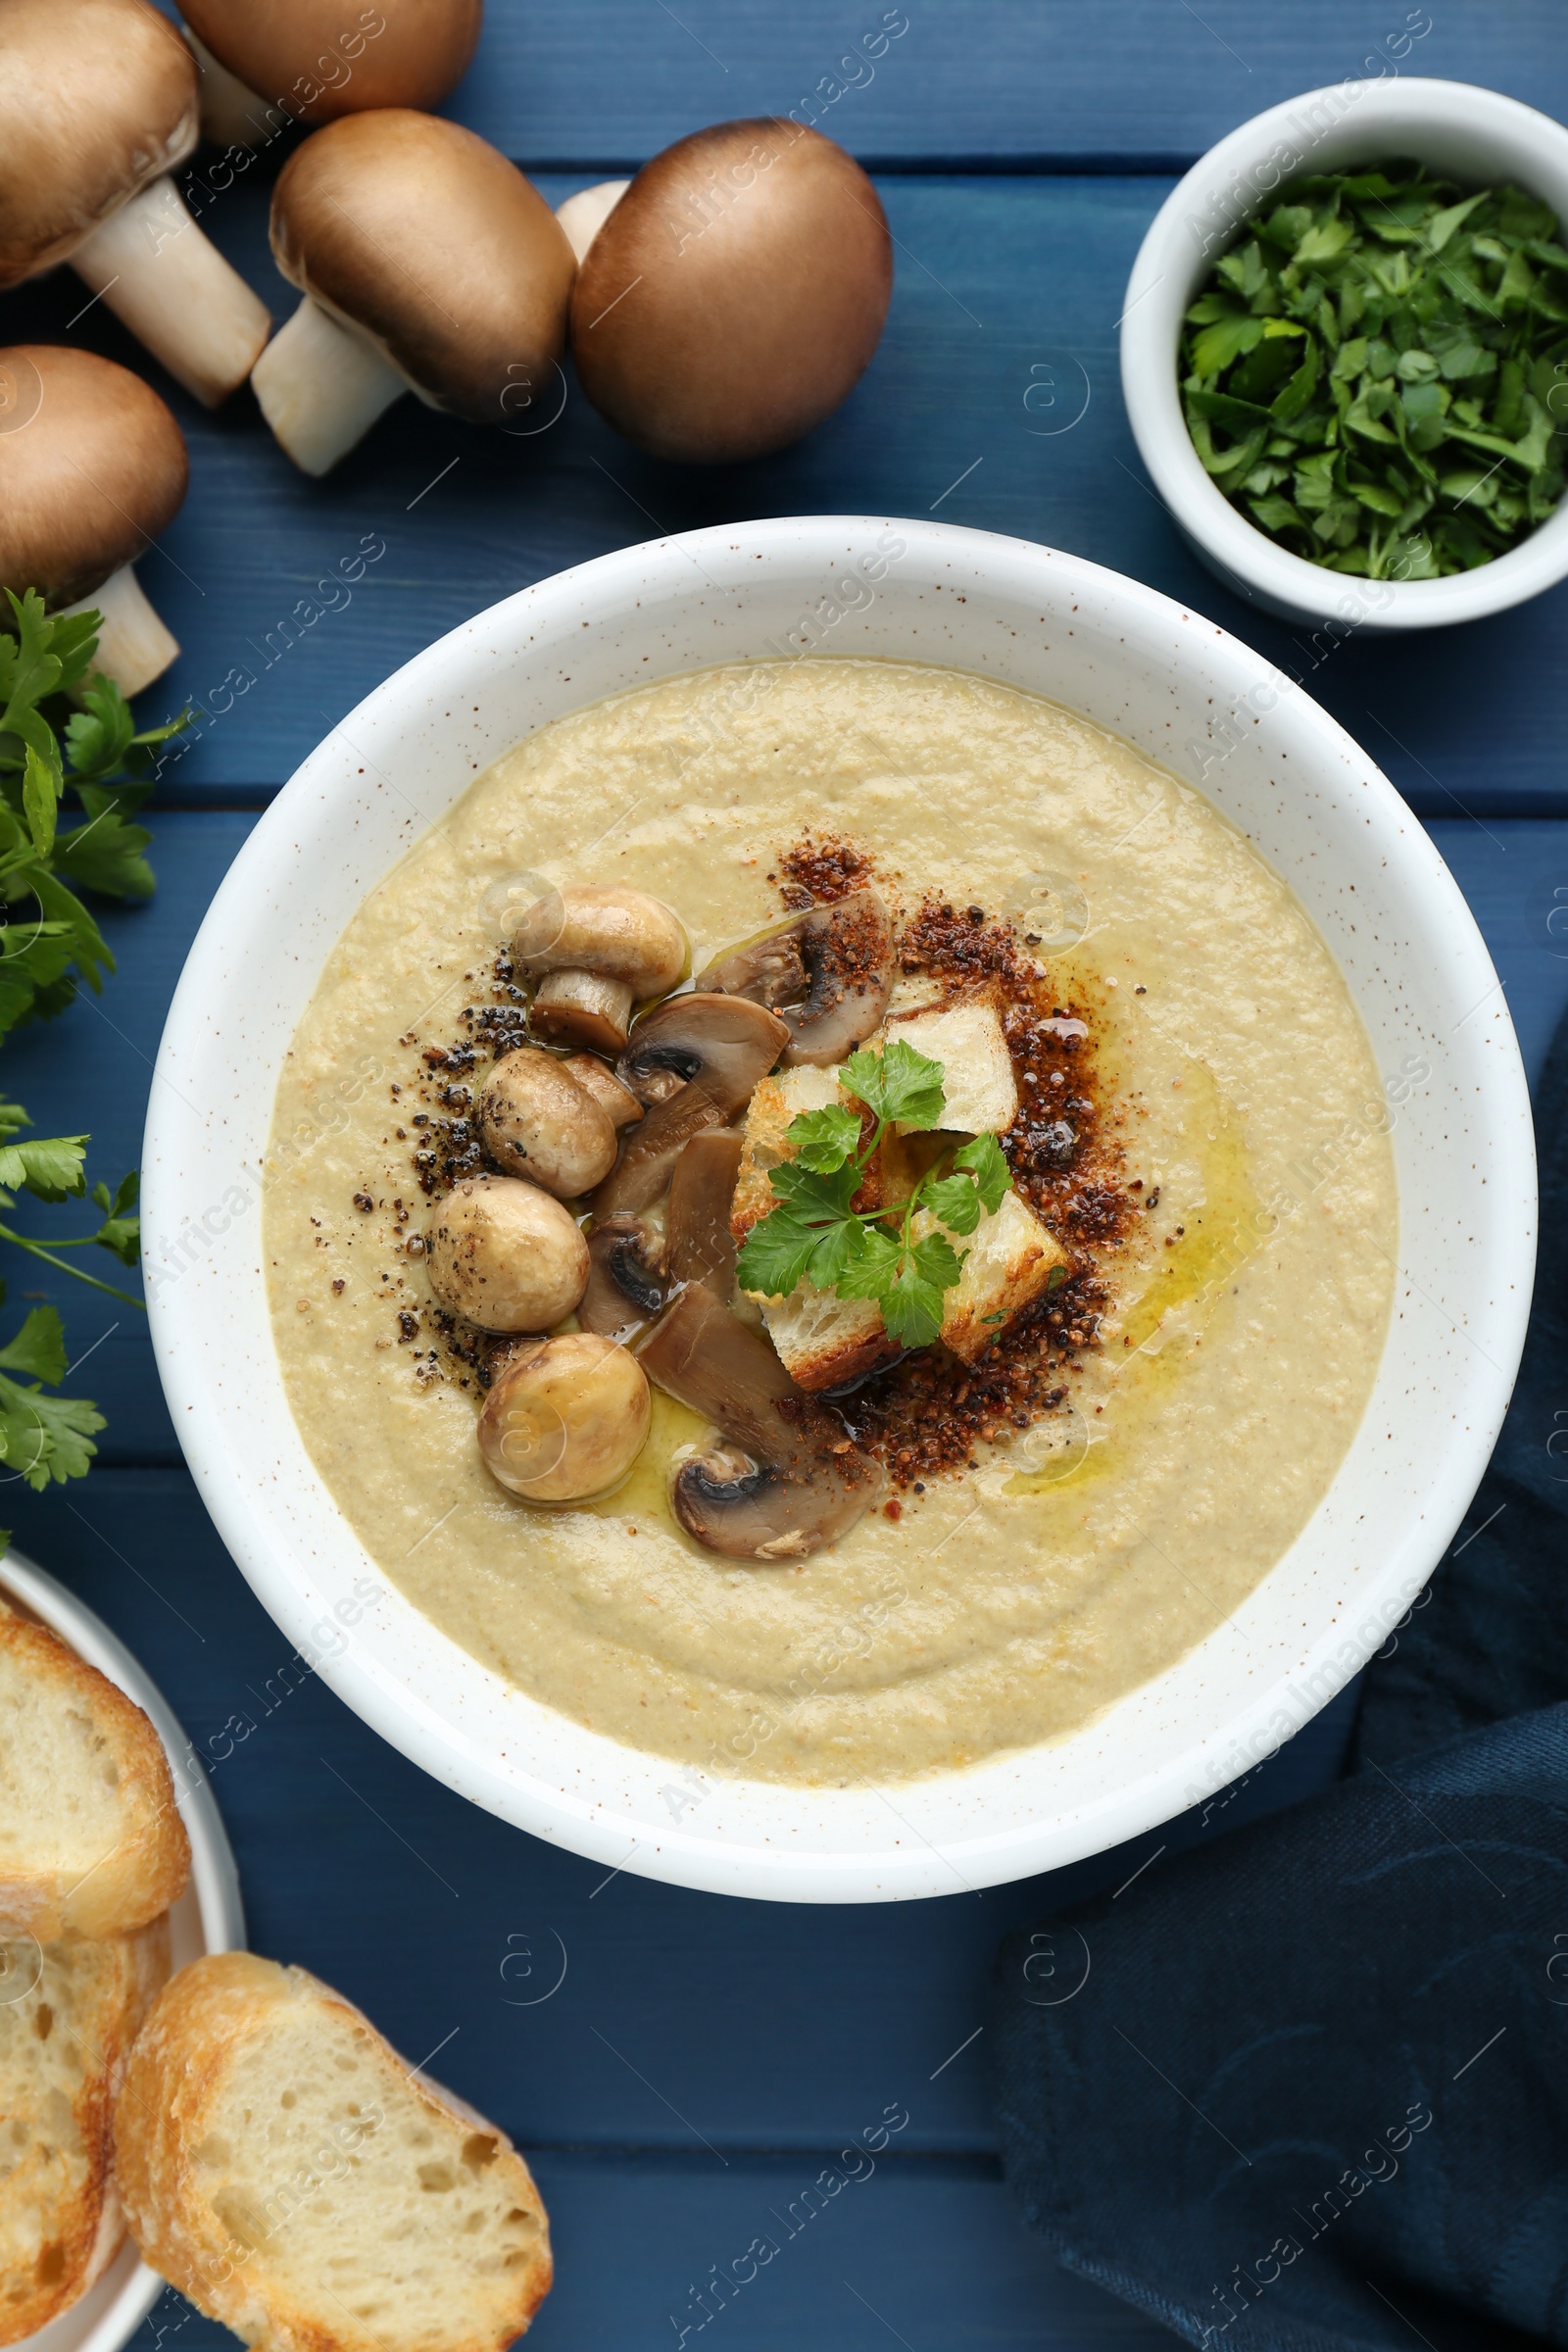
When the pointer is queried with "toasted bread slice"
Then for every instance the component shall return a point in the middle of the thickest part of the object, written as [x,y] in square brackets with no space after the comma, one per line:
[284,2168]
[1008,1261]
[90,1841]
[69,2013]
[977,1081]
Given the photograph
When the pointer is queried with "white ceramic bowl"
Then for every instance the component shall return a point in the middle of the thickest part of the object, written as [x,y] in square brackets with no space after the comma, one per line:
[208,1918]
[1318,810]
[1472,135]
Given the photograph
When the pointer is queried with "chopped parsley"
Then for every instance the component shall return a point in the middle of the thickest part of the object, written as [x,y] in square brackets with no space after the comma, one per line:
[815,1235]
[1377,371]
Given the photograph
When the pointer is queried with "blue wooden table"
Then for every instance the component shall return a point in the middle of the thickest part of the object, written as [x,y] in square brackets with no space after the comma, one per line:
[680,2067]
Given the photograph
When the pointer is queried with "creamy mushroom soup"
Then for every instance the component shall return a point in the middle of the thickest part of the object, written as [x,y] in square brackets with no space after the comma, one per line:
[1091,1316]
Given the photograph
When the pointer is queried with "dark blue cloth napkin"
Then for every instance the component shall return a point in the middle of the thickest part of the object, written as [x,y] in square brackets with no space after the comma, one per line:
[1308,2087]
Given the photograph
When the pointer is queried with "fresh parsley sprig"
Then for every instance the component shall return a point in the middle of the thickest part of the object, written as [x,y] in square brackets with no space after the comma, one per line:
[817,1236]
[62,729]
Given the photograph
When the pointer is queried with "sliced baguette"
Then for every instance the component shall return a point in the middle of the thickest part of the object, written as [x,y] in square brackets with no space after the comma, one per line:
[69,2013]
[90,1841]
[284,2168]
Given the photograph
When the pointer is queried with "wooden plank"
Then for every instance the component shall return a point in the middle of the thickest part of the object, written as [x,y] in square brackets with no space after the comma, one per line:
[580,2007]
[997,280]
[607,82]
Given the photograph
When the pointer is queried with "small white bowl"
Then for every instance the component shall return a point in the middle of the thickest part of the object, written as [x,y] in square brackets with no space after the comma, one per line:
[208,1918]
[1132,661]
[1469,135]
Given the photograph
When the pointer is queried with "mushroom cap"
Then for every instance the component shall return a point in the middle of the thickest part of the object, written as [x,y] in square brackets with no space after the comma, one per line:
[93,473]
[567,1420]
[506,1255]
[619,934]
[538,1122]
[422,238]
[736,293]
[282,49]
[96,99]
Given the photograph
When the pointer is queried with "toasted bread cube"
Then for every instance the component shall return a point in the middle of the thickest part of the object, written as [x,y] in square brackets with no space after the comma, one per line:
[977,1070]
[1008,1261]
[823,1341]
[775,1102]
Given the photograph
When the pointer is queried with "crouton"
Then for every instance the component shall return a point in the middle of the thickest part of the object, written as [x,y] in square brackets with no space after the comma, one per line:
[775,1102]
[1008,1261]
[978,1079]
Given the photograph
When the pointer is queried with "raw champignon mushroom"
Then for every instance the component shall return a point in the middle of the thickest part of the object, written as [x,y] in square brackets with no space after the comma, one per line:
[779,1489]
[505,1255]
[604,1087]
[97,106]
[626,1281]
[735,294]
[584,215]
[427,264]
[310,61]
[566,1420]
[698,1245]
[596,953]
[93,469]
[714,1049]
[537,1121]
[838,959]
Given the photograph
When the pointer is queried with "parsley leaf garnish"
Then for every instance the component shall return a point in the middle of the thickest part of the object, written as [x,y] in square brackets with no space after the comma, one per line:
[1377,372]
[815,1235]
[63,728]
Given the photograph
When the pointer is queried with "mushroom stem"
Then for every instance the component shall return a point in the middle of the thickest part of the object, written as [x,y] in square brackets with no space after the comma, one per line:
[582,1008]
[174,289]
[134,645]
[322,388]
[232,112]
[584,215]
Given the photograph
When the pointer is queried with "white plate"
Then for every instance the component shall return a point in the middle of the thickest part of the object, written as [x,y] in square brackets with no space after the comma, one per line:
[1180,689]
[208,1918]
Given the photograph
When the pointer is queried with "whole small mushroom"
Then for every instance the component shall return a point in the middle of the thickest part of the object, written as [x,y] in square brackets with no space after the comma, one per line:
[97,105]
[505,1255]
[539,1122]
[93,469]
[566,1420]
[427,264]
[310,61]
[734,295]
[596,953]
